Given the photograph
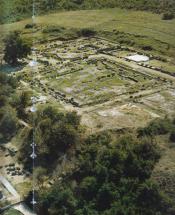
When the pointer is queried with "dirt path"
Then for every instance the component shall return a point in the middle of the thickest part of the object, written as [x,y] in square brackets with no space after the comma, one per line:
[22,207]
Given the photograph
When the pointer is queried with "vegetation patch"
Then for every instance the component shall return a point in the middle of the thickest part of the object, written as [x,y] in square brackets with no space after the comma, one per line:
[111,177]
[12,212]
[13,10]
[8,115]
[87,32]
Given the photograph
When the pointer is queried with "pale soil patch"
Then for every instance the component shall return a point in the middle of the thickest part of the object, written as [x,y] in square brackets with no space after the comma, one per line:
[110,113]
[127,115]
[68,90]
[172,92]
[161,102]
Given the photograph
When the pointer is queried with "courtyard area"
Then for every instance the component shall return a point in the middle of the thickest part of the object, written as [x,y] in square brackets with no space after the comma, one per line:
[97,78]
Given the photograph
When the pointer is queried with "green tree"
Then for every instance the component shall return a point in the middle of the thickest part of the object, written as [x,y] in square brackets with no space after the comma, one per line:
[8,123]
[39,175]
[88,187]
[113,177]
[3,100]
[172,136]
[22,101]
[60,200]
[15,48]
[150,200]
[55,133]
[105,197]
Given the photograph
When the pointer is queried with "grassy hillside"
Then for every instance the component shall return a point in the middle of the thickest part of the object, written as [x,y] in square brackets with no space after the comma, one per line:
[148,29]
[12,10]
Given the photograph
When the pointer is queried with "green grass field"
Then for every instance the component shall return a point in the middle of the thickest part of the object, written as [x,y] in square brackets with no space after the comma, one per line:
[139,22]
[135,22]
[129,27]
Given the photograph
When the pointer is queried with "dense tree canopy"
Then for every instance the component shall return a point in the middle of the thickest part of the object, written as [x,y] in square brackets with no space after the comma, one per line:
[15,48]
[112,178]
[55,134]
[8,123]
[8,116]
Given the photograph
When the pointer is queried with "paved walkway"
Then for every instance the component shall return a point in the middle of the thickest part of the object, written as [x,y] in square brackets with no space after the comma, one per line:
[22,207]
[9,187]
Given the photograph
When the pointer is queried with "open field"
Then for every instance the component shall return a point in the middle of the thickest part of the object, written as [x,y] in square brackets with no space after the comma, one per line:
[141,27]
[109,19]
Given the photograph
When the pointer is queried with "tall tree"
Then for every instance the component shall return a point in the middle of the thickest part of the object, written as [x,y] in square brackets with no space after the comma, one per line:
[15,48]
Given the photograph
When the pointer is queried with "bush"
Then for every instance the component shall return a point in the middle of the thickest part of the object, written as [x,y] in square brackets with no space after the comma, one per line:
[147,48]
[32,25]
[157,127]
[172,136]
[168,16]
[7,81]
[87,32]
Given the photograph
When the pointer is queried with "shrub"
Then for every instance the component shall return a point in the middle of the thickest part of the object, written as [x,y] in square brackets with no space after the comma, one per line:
[157,127]
[87,32]
[147,48]
[172,136]
[31,25]
[167,16]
